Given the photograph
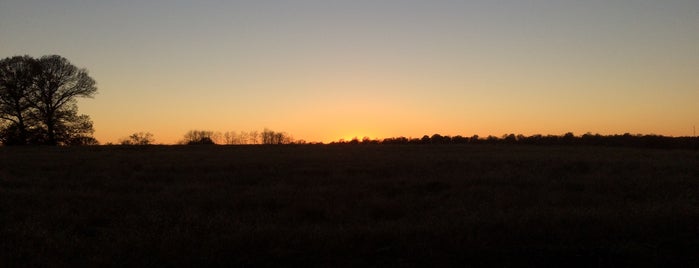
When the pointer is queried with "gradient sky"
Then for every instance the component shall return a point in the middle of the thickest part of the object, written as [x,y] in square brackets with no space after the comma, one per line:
[322,70]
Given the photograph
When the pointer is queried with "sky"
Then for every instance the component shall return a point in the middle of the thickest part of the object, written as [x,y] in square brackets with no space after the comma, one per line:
[323,70]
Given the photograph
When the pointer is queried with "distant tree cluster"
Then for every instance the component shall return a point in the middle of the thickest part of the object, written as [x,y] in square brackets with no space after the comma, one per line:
[199,137]
[627,140]
[38,102]
[267,136]
[272,137]
[138,138]
[243,137]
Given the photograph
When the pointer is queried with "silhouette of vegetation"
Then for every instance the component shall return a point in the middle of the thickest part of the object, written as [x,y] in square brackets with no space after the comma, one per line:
[625,140]
[267,137]
[199,137]
[240,138]
[38,102]
[271,137]
[138,138]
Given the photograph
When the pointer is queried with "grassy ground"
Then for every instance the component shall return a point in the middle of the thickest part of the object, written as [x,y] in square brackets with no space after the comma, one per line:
[348,206]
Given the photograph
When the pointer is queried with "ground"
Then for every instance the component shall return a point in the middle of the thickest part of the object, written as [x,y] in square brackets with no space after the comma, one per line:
[348,205]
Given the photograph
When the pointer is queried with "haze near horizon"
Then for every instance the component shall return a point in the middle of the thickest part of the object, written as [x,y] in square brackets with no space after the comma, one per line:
[329,70]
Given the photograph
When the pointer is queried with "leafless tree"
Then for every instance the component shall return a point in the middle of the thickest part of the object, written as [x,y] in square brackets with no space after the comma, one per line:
[17,75]
[138,138]
[199,137]
[38,99]
[57,85]
[271,137]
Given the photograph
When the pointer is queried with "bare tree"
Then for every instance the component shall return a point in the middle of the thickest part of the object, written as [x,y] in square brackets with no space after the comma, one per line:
[230,137]
[58,84]
[38,101]
[253,137]
[17,75]
[75,129]
[195,137]
[271,137]
[267,136]
[249,137]
[244,137]
[138,138]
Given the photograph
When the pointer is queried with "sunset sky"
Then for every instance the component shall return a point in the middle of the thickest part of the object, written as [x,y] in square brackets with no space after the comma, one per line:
[323,70]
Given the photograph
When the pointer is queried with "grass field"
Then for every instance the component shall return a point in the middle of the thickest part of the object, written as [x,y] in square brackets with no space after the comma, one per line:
[358,206]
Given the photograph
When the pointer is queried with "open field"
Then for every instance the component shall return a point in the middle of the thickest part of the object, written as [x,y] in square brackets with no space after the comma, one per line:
[361,205]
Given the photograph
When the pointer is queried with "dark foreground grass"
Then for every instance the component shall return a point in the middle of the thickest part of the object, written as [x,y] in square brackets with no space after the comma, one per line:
[348,206]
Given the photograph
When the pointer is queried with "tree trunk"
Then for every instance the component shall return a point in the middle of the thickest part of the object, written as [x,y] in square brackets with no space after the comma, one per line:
[50,128]
[22,131]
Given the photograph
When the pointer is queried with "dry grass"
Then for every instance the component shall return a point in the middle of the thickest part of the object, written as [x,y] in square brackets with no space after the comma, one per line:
[348,206]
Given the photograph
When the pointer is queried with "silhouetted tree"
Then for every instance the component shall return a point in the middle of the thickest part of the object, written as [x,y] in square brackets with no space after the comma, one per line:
[138,138]
[474,139]
[568,138]
[58,84]
[629,140]
[231,137]
[243,137]
[74,129]
[38,99]
[436,138]
[396,140]
[17,80]
[251,137]
[254,137]
[271,137]
[458,139]
[199,137]
[492,139]
[13,134]
[509,138]
[367,140]
[267,136]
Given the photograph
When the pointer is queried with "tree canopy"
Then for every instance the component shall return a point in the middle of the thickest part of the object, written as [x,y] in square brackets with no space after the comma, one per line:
[38,101]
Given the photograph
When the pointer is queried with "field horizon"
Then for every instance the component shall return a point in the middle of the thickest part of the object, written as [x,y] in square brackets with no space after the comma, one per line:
[349,206]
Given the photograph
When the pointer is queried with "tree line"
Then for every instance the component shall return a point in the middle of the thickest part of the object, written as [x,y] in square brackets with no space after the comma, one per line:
[38,102]
[267,137]
[626,140]
[207,137]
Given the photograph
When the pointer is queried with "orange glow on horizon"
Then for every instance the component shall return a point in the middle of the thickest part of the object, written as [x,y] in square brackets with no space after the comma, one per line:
[329,135]
[404,68]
